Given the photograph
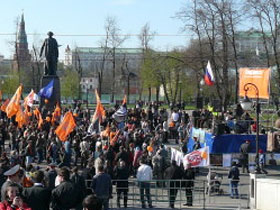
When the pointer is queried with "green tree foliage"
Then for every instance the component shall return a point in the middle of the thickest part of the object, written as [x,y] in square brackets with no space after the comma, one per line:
[70,84]
[149,69]
[10,84]
[164,70]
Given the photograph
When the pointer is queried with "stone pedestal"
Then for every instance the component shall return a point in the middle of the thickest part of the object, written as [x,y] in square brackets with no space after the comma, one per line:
[56,92]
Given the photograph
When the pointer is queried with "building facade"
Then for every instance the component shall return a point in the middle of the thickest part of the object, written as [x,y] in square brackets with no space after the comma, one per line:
[252,41]
[96,60]
[89,84]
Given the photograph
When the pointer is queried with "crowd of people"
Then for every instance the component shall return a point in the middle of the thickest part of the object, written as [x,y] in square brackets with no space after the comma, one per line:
[135,147]
[88,162]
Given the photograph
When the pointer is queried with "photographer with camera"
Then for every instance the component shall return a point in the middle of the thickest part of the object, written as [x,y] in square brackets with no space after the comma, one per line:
[12,199]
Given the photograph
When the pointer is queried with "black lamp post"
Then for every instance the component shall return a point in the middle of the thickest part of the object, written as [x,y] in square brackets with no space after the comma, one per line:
[180,93]
[87,92]
[247,105]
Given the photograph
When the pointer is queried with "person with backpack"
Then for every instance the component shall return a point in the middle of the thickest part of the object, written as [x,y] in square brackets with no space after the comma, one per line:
[234,180]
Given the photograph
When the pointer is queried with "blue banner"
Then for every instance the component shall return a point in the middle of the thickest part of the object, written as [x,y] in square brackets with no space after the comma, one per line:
[47,91]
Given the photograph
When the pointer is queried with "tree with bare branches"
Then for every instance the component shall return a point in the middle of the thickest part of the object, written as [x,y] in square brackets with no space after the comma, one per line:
[215,20]
[267,14]
[145,37]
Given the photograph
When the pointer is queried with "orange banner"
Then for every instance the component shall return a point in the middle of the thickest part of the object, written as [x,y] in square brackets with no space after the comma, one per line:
[259,77]
[66,126]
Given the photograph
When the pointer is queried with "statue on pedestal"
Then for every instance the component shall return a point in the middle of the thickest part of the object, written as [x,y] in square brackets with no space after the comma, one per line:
[50,51]
[50,81]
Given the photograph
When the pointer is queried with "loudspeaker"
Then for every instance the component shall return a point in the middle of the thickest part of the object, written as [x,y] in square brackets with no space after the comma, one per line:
[219,129]
[217,105]
[199,102]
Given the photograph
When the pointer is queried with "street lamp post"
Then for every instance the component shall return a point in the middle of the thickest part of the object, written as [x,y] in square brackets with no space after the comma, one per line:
[247,105]
[180,93]
[87,92]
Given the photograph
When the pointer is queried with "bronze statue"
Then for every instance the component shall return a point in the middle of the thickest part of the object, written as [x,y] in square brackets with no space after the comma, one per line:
[50,50]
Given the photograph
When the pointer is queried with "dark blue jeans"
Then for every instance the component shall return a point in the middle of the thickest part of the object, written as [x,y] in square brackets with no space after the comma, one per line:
[233,188]
[40,155]
[145,186]
[105,203]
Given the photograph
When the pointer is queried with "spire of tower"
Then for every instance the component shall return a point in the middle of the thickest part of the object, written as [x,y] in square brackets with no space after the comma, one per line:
[22,57]
[22,37]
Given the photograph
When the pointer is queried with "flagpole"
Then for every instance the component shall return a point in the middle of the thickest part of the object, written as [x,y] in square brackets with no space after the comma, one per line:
[209,179]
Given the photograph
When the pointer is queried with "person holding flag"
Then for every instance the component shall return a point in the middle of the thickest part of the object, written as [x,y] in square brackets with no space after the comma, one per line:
[67,125]
[56,114]
[21,118]
[38,116]
[120,115]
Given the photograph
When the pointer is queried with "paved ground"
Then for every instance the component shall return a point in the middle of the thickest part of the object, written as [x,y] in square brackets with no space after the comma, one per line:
[202,201]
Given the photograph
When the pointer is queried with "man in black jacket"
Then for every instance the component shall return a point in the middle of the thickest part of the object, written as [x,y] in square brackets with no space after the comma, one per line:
[101,185]
[244,150]
[65,196]
[121,175]
[189,183]
[80,185]
[38,196]
[233,175]
[173,172]
[122,155]
[50,176]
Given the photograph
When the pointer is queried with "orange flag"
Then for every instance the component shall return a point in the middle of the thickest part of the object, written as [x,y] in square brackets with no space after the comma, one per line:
[14,105]
[99,110]
[5,104]
[38,116]
[124,102]
[114,138]
[21,118]
[66,126]
[56,114]
[97,116]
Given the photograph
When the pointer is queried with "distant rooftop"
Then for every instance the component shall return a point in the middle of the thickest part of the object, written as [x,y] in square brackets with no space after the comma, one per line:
[101,50]
[252,33]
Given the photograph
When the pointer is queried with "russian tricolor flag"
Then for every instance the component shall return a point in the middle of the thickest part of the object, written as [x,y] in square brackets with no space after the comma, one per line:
[209,76]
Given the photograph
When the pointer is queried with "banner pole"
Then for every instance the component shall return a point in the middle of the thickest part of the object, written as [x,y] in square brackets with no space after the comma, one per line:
[209,177]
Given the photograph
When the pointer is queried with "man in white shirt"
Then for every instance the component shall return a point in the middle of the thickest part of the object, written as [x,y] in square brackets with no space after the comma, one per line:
[84,149]
[175,116]
[144,176]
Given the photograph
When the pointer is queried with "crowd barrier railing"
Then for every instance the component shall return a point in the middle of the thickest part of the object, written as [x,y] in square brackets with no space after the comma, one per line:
[162,193]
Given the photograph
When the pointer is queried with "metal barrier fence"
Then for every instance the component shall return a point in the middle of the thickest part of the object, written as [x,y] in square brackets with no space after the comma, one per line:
[198,193]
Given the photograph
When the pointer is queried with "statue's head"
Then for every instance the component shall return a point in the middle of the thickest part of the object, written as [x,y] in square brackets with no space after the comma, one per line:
[50,33]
